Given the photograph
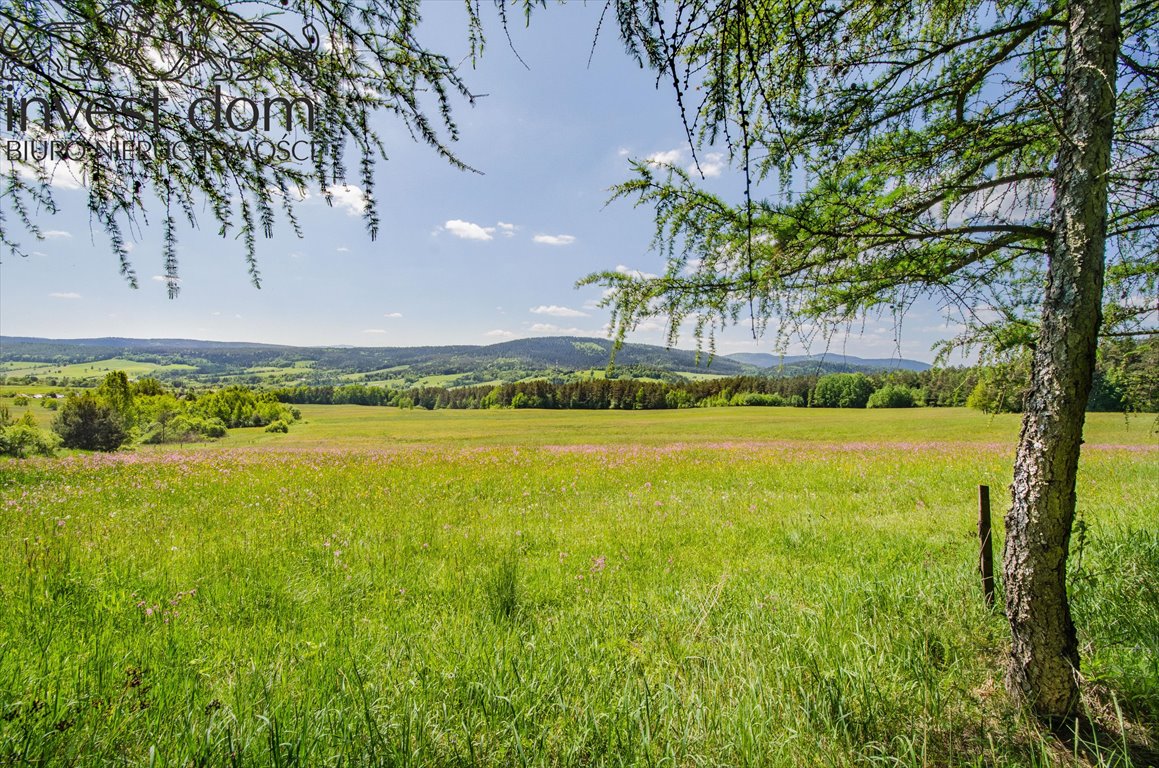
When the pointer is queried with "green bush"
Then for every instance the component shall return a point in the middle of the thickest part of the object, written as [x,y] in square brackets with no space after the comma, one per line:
[183,428]
[240,407]
[757,398]
[894,396]
[278,426]
[24,438]
[89,423]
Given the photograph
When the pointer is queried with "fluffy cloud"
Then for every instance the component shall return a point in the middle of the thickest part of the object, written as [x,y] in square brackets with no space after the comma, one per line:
[393,315]
[67,174]
[623,270]
[554,239]
[348,197]
[56,234]
[468,231]
[64,295]
[508,230]
[711,165]
[669,157]
[498,333]
[556,311]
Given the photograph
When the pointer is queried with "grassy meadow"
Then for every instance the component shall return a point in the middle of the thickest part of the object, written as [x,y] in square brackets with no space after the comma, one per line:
[714,587]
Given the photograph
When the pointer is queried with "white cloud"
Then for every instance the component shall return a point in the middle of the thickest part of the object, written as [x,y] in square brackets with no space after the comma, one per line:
[711,165]
[65,174]
[635,272]
[499,334]
[348,197]
[554,239]
[468,231]
[375,330]
[669,157]
[393,315]
[556,311]
[64,295]
[508,230]
[55,234]
[342,249]
[623,152]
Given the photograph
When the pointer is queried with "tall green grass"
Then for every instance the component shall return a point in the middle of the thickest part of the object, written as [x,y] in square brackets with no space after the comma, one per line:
[792,603]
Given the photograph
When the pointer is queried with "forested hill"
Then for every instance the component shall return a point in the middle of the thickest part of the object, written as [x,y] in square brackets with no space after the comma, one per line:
[834,360]
[215,361]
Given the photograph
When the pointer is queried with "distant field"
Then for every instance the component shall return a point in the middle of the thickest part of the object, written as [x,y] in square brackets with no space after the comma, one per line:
[353,426]
[710,587]
[95,369]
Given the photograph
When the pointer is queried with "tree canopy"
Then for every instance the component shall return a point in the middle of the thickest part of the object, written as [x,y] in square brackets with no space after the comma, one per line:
[161,107]
[890,150]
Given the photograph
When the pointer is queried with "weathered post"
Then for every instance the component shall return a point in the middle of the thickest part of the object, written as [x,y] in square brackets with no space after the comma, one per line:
[986,547]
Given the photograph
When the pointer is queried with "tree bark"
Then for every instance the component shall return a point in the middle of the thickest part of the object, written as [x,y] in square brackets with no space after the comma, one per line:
[1044,659]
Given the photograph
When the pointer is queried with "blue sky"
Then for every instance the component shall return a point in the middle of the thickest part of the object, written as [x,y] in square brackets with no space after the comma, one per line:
[461,258]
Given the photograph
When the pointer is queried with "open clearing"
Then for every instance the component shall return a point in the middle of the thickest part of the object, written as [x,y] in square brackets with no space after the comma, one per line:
[735,586]
[96,369]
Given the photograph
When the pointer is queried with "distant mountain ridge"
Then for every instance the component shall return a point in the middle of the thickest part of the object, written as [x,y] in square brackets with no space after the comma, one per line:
[552,356]
[766,360]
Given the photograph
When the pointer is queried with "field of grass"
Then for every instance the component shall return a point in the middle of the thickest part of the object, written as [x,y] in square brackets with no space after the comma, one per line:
[91,370]
[716,587]
[354,426]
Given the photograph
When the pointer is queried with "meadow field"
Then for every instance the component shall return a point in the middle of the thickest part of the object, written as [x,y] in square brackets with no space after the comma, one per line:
[711,587]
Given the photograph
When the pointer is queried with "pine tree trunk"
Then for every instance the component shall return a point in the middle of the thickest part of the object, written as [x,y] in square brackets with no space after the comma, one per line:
[1044,658]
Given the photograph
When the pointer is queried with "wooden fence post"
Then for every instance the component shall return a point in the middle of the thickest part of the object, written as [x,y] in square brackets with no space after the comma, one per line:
[986,547]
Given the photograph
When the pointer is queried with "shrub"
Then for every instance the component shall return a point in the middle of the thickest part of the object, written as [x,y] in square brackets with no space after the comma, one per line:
[278,426]
[757,398]
[24,438]
[184,428]
[89,423]
[894,396]
[240,407]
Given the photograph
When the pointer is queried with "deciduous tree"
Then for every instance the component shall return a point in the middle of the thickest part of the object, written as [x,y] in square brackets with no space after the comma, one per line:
[998,156]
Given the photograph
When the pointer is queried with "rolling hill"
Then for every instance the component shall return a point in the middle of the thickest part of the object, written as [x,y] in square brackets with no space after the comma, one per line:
[557,357]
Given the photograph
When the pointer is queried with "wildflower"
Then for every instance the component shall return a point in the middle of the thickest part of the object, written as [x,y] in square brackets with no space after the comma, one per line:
[598,564]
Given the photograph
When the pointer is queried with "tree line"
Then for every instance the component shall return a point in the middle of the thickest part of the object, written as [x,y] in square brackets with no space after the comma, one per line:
[1127,379]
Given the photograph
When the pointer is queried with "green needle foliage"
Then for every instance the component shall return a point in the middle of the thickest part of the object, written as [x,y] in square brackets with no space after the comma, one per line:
[890,150]
[347,60]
